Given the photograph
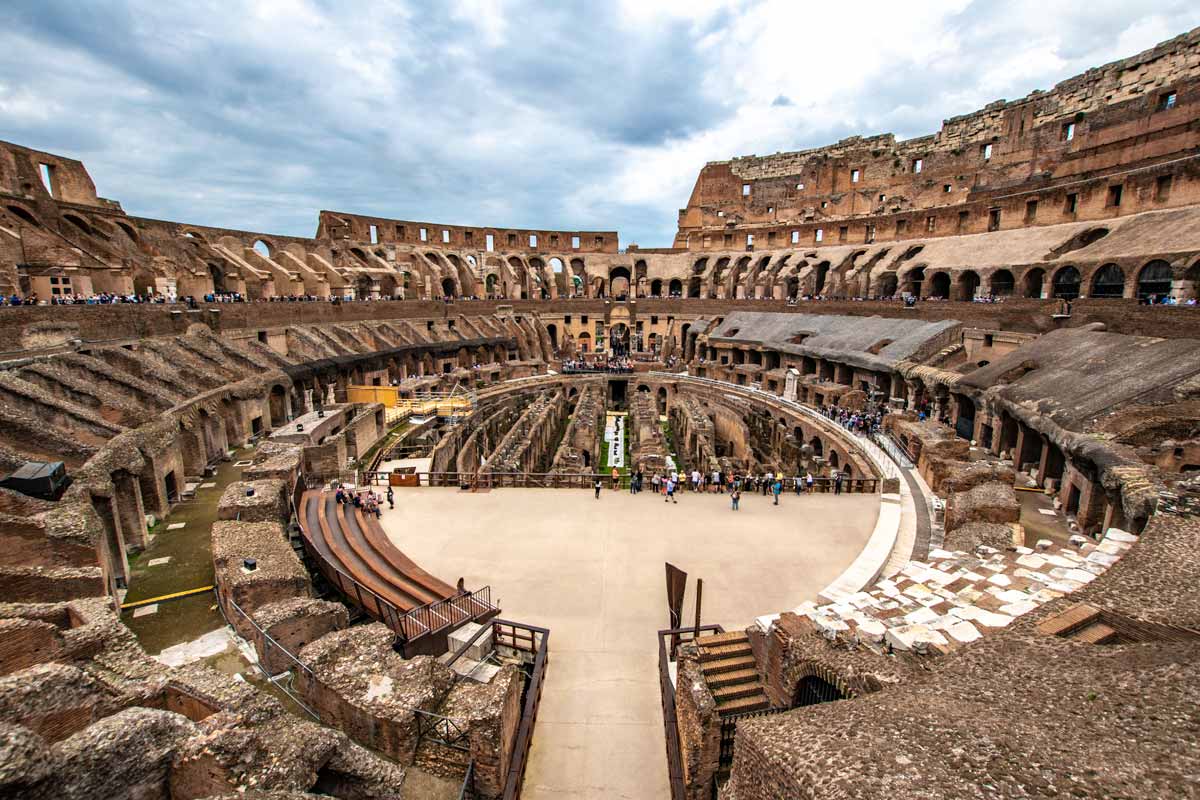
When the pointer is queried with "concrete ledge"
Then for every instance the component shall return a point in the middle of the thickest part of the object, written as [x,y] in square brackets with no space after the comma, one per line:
[865,569]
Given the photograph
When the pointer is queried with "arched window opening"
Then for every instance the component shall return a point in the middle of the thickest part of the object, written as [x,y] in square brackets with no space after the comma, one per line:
[812,690]
[1066,283]
[940,286]
[1003,283]
[968,285]
[1034,280]
[262,248]
[1154,281]
[1109,281]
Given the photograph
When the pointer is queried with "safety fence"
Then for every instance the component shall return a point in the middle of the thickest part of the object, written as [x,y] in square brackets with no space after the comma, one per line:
[552,480]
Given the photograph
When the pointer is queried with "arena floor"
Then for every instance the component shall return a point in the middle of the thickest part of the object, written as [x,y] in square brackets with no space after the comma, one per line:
[592,571]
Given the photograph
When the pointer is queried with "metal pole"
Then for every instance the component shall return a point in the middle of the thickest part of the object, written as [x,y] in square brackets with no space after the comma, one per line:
[699,596]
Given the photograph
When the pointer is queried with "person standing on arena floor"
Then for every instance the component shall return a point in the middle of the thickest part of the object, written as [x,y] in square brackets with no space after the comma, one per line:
[670,492]
[598,487]
[776,489]
[734,497]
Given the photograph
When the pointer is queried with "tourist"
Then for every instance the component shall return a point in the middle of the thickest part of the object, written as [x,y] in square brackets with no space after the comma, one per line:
[696,480]
[598,487]
[340,495]
[717,484]
[391,498]
[656,481]
[358,501]
[808,482]
[616,478]
[837,483]
[671,492]
[734,497]
[639,477]
[799,481]
[776,489]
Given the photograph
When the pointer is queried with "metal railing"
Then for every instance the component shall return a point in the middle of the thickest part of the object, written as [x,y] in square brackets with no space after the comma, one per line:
[668,642]
[536,641]
[441,730]
[552,480]
[268,638]
[467,792]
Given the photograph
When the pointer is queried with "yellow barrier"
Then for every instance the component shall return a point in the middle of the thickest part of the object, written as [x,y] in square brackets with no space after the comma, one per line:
[160,598]
[443,406]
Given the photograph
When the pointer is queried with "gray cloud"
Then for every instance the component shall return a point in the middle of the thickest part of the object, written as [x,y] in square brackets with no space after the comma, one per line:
[215,114]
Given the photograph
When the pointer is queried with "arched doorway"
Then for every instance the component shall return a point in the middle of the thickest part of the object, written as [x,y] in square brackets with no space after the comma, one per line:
[675,288]
[812,690]
[1035,279]
[447,287]
[489,285]
[1003,283]
[552,330]
[1066,283]
[913,279]
[886,287]
[1109,281]
[939,286]
[694,287]
[618,339]
[618,283]
[656,288]
[1154,281]
[968,285]
[822,274]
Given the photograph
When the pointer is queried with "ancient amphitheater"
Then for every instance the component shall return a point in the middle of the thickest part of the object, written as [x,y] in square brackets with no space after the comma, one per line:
[384,513]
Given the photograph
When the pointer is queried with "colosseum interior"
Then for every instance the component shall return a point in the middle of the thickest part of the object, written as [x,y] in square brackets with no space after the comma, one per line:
[955,381]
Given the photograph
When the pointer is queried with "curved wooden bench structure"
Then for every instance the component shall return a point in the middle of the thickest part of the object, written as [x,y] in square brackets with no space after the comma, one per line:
[356,556]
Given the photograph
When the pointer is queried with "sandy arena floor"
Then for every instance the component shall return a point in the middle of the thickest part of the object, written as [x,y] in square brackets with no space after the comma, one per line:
[592,571]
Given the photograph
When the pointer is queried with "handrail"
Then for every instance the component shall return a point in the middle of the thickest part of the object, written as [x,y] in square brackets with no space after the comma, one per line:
[585,480]
[667,693]
[539,639]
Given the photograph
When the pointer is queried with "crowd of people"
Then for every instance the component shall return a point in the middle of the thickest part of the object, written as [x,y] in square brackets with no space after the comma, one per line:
[598,364]
[671,484]
[861,422]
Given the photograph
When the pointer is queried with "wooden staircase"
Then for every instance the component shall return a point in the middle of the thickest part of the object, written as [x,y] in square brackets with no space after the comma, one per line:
[731,673]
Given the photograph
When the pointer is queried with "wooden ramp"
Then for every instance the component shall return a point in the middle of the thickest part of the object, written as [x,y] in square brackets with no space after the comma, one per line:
[356,556]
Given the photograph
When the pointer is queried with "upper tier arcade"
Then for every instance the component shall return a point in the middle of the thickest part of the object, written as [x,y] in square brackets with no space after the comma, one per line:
[1115,140]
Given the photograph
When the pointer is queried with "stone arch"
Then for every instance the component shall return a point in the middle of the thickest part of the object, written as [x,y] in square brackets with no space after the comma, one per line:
[818,447]
[23,214]
[80,223]
[939,285]
[448,289]
[656,288]
[1034,281]
[913,280]
[886,286]
[1066,283]
[619,282]
[1108,281]
[821,273]
[1154,280]
[675,288]
[968,284]
[1002,283]
[263,247]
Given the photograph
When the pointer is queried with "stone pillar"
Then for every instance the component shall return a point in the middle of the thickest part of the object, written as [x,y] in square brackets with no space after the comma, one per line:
[127,496]
[308,401]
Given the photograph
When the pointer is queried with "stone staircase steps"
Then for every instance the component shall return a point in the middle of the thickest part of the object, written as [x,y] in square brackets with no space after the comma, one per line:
[736,691]
[717,680]
[723,665]
[723,646]
[743,705]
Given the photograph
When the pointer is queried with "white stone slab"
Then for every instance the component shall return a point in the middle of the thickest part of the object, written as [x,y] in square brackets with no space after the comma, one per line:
[174,526]
[1031,561]
[1000,579]
[207,485]
[1049,512]
[1118,535]
[962,631]
[1112,548]
[1097,557]
[243,463]
[1018,608]
[158,562]
[145,611]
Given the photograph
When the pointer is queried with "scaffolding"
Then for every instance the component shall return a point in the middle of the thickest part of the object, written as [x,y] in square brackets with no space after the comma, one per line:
[452,406]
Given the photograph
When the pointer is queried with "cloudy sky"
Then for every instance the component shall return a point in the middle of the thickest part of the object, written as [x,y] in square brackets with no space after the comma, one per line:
[590,115]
